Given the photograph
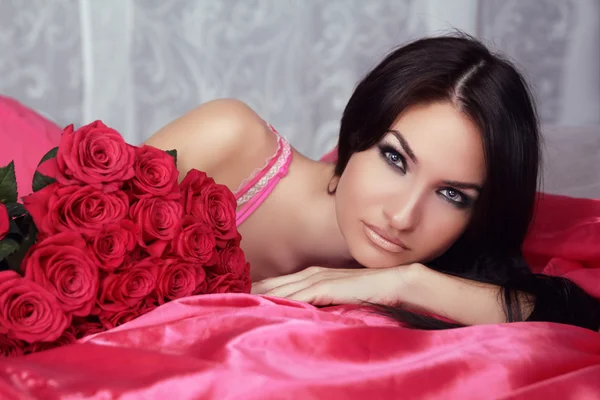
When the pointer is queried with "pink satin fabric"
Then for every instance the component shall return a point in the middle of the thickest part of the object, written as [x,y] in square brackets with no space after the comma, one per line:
[564,240]
[234,346]
[252,347]
[25,136]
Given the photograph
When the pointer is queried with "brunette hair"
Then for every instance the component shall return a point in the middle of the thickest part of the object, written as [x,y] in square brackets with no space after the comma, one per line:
[492,93]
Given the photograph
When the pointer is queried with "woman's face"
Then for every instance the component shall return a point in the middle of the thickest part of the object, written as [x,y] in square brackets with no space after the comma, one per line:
[409,198]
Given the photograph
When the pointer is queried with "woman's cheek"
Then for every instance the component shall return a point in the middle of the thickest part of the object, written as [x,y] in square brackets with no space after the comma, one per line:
[364,178]
[444,225]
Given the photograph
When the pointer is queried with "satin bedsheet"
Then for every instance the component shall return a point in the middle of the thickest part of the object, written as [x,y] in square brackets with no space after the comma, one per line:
[255,347]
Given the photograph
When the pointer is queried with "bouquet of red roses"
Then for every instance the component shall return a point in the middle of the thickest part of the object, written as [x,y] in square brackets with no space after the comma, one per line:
[108,235]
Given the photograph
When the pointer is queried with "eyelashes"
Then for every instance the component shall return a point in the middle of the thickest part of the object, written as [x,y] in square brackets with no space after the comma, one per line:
[396,160]
[393,157]
[456,197]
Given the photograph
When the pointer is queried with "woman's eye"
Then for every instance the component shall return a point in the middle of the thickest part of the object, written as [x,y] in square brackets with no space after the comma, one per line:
[455,197]
[452,194]
[393,157]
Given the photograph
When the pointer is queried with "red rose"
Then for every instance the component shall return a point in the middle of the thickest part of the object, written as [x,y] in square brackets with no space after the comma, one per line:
[230,282]
[201,287]
[67,337]
[94,155]
[60,264]
[113,319]
[82,209]
[27,311]
[209,201]
[138,254]
[87,326]
[4,221]
[195,243]
[191,188]
[235,242]
[177,279]
[113,244]
[128,288]
[231,259]
[158,221]
[220,205]
[155,174]
[10,347]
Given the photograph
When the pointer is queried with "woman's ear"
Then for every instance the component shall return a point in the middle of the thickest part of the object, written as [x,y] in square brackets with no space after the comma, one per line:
[332,185]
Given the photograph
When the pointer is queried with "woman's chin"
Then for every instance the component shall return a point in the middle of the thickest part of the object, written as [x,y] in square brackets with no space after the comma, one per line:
[371,257]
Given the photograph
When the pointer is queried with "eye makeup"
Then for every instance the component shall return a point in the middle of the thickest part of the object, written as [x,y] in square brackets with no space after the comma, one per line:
[394,157]
[456,198]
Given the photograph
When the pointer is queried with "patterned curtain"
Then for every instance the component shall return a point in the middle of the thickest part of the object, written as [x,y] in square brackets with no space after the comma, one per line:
[137,64]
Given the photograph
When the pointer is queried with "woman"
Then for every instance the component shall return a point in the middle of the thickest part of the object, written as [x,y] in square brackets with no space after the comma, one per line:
[431,196]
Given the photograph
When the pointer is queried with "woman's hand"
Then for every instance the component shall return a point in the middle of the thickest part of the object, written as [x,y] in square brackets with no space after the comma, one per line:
[328,286]
[414,286]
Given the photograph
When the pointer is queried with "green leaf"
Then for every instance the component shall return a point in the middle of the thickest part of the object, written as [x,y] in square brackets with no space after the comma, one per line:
[172,153]
[24,222]
[15,209]
[41,181]
[51,154]
[7,247]
[15,259]
[8,184]
[14,229]
[31,236]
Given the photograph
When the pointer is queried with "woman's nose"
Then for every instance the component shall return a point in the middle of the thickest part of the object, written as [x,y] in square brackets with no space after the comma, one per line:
[405,214]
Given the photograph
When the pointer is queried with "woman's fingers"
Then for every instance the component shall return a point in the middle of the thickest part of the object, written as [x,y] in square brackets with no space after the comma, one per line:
[325,293]
[266,285]
[284,288]
[324,287]
[314,295]
[287,289]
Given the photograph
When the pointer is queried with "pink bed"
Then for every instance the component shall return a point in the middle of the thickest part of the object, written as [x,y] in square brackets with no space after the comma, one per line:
[249,347]
[253,347]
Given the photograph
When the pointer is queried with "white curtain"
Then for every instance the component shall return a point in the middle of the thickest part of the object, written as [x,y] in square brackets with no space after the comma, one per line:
[139,64]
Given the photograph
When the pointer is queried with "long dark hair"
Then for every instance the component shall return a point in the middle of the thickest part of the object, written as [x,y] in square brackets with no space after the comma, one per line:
[487,88]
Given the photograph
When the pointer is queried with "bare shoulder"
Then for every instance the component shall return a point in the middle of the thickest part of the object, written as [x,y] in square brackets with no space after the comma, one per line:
[225,138]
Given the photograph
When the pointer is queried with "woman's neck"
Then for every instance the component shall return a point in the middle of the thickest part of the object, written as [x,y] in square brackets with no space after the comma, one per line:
[314,237]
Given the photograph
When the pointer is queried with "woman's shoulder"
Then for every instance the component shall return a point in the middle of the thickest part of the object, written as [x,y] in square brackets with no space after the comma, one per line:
[224,138]
[233,119]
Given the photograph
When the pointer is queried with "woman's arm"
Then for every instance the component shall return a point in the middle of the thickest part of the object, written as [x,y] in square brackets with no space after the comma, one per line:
[414,286]
[461,300]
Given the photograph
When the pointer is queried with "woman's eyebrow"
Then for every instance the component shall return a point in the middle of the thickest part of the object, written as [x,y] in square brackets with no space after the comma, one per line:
[464,185]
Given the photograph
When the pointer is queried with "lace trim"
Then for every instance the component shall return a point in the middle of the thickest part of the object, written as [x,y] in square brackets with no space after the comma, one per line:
[267,162]
[274,170]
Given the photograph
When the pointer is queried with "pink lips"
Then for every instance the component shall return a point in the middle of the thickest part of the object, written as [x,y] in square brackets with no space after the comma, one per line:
[385,240]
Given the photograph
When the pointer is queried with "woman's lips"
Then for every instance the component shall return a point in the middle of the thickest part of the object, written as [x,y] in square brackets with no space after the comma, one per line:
[384,240]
